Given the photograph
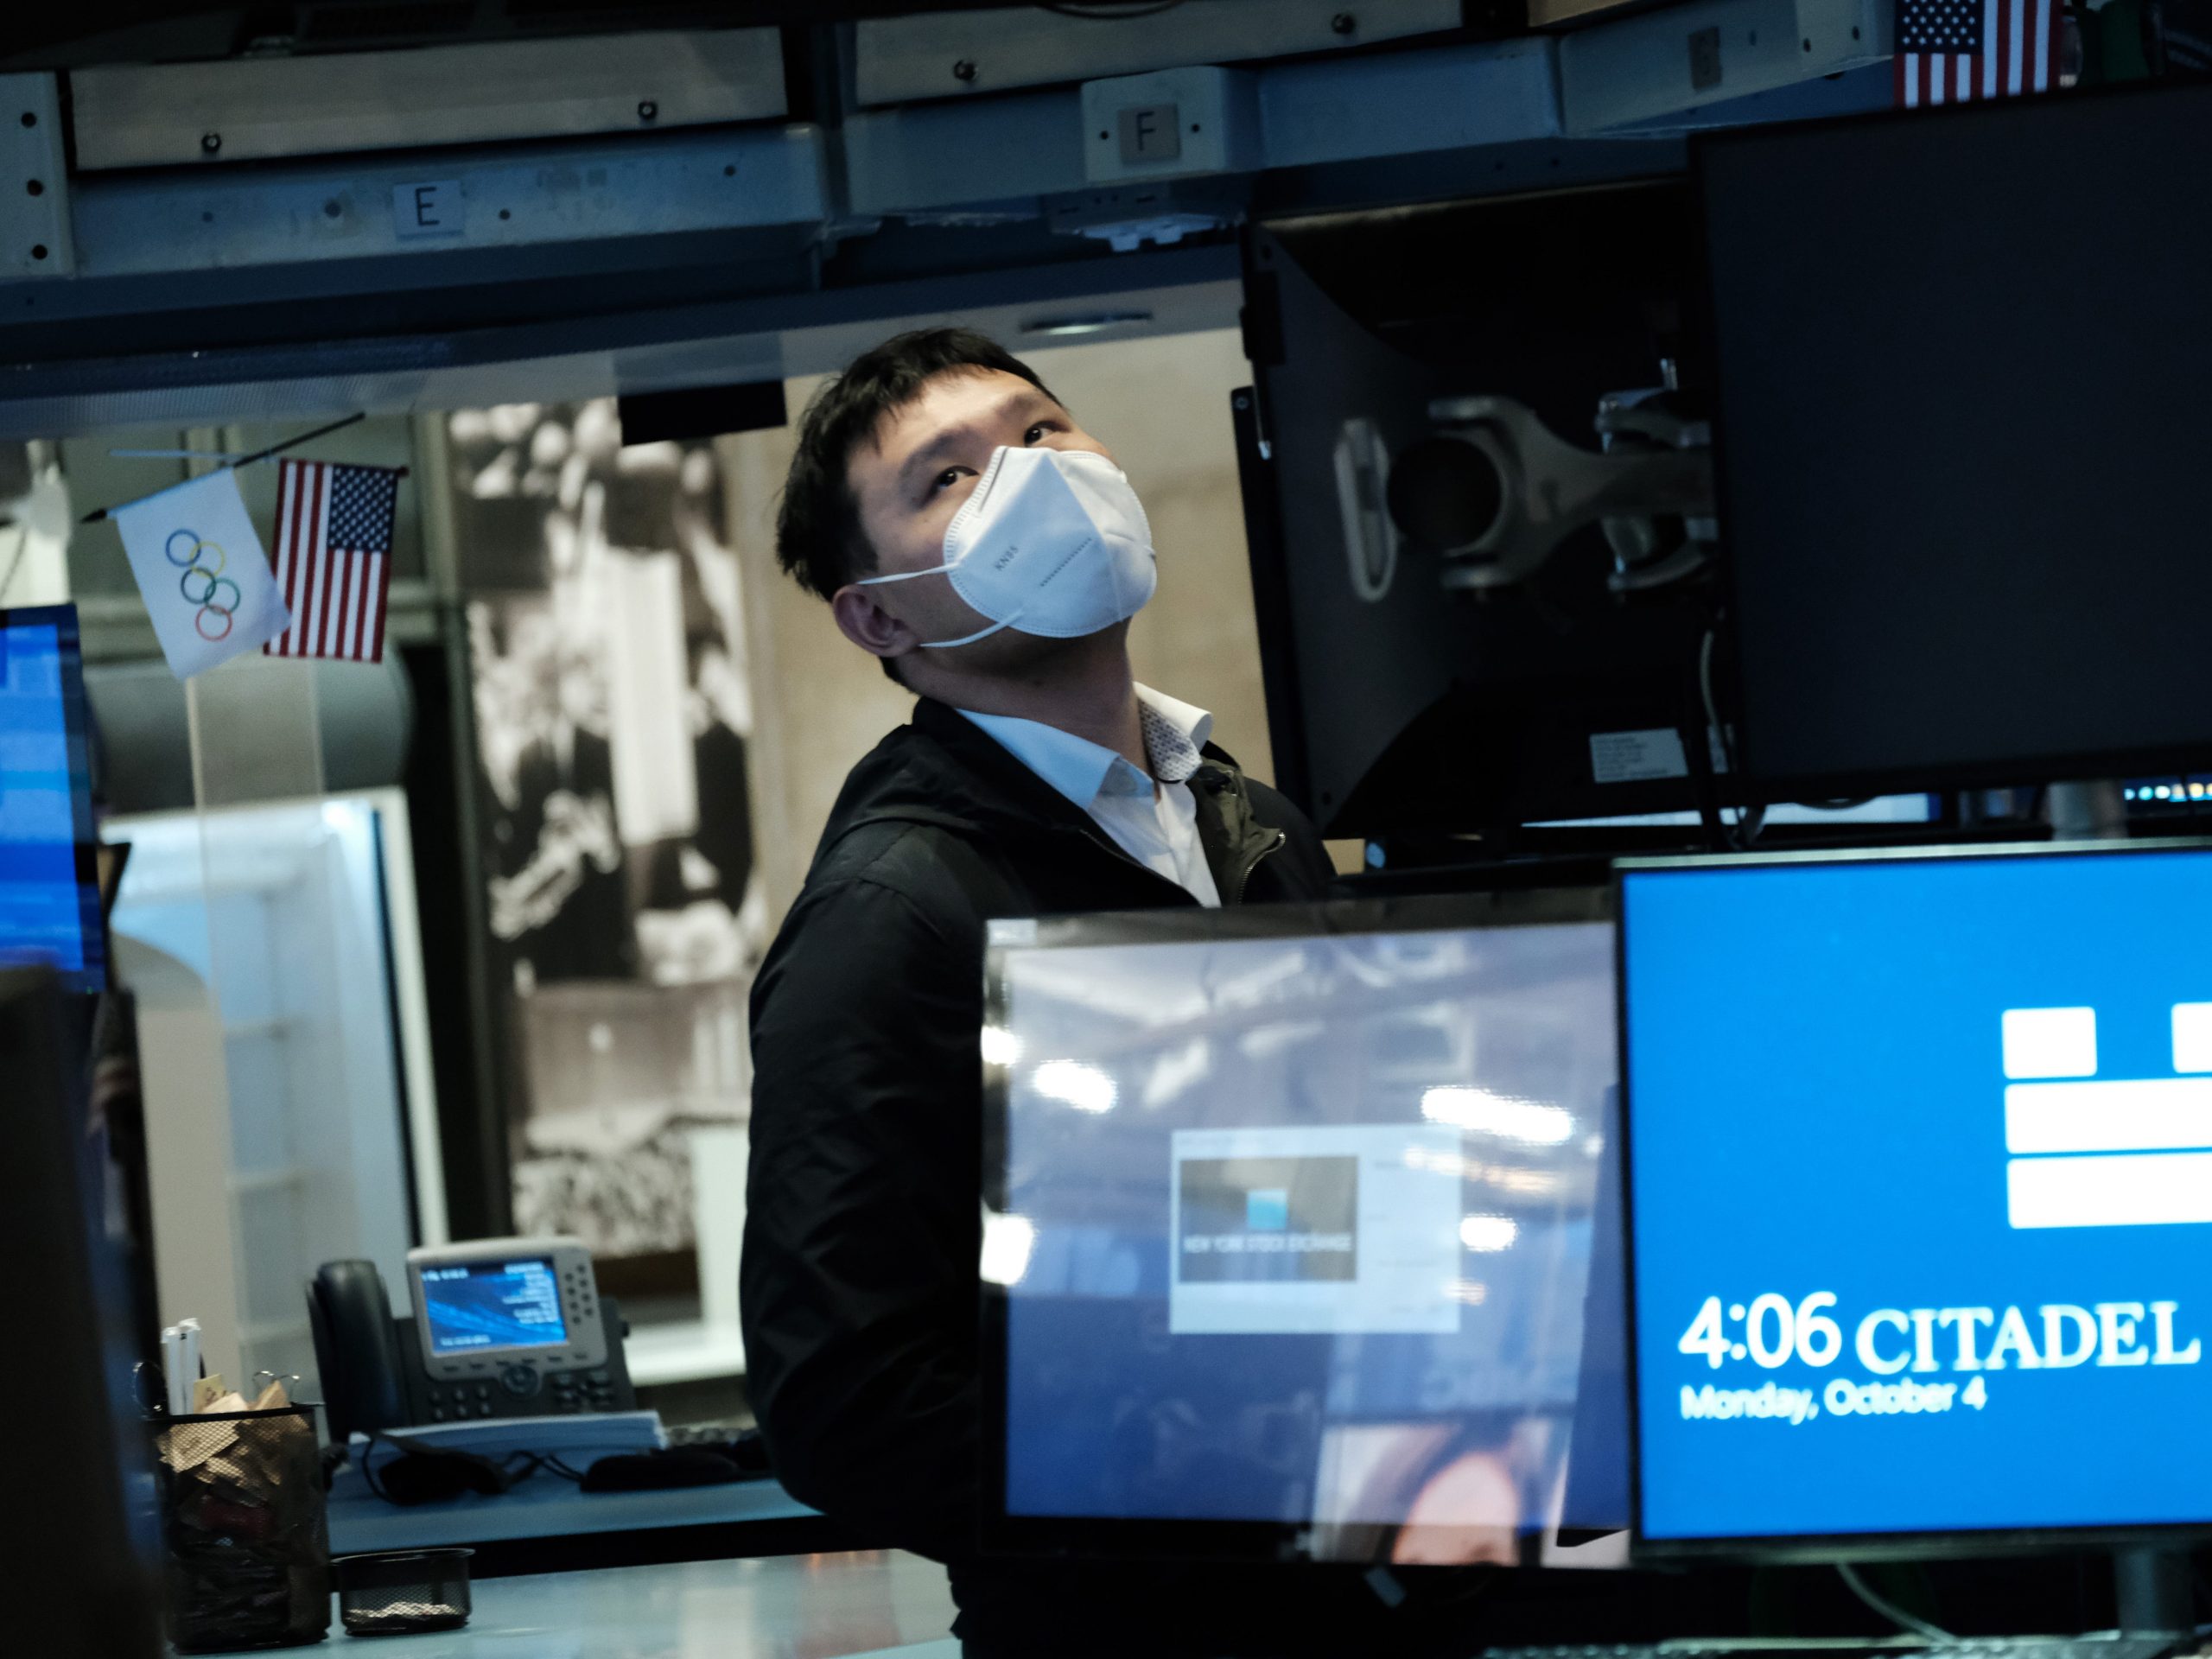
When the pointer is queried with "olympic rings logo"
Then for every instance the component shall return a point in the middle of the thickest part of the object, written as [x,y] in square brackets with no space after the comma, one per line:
[212,576]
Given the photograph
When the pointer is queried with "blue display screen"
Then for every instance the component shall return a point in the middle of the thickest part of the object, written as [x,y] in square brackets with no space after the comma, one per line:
[1305,1226]
[493,1305]
[1921,1196]
[50,901]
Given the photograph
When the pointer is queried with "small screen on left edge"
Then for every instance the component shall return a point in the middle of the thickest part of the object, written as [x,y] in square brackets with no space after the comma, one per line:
[485,1305]
[49,911]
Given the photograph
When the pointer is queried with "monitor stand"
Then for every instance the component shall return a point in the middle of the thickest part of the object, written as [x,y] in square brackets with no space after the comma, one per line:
[2154,1590]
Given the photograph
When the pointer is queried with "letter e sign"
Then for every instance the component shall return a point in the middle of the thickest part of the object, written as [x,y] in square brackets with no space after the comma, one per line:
[431,209]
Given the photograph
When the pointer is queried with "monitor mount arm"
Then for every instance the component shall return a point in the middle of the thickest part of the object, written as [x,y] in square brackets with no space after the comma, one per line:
[1495,492]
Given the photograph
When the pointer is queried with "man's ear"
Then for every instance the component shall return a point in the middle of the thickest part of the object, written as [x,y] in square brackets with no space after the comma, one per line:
[868,625]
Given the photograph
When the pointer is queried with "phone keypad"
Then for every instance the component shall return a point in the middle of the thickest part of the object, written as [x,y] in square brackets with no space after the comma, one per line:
[454,1402]
[566,1392]
[579,1391]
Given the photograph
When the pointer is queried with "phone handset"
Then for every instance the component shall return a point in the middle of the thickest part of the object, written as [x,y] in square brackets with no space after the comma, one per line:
[356,1350]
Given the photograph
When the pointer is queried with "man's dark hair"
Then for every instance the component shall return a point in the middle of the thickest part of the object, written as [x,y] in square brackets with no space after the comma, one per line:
[819,541]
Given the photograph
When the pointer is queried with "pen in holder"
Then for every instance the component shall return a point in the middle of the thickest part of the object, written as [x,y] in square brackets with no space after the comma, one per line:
[246,1546]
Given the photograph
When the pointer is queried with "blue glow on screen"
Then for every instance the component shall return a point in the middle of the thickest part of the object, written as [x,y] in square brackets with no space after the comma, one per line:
[492,1305]
[48,915]
[1305,1230]
[1921,1194]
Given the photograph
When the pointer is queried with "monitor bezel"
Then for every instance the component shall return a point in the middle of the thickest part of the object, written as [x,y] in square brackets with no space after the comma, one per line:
[1002,1534]
[1764,785]
[1854,1546]
[76,714]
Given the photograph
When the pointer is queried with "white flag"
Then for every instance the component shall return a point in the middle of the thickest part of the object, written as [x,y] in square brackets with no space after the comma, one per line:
[206,581]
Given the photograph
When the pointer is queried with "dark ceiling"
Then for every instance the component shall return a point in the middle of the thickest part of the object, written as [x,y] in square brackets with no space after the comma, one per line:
[139,31]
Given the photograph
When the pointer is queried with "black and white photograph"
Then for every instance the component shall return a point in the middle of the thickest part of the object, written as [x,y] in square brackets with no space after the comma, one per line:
[612,718]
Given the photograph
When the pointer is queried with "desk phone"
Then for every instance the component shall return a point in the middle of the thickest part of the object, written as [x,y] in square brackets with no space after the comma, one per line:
[498,1327]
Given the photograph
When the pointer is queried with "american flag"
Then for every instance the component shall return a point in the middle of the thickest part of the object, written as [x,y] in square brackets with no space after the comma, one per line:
[1956,50]
[333,558]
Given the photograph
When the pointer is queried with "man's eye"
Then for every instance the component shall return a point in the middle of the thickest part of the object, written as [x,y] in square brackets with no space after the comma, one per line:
[1032,433]
[945,480]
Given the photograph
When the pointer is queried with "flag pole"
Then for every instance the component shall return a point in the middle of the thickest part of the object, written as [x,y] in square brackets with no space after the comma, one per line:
[291,443]
[94,516]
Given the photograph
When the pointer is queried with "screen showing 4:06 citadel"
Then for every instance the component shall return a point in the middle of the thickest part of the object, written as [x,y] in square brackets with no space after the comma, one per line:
[1920,1172]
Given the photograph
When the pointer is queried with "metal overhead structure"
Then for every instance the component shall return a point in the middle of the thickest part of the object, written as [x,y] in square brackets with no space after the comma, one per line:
[284,233]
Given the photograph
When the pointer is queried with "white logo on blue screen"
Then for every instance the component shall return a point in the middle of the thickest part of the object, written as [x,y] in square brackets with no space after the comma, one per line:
[2105,1152]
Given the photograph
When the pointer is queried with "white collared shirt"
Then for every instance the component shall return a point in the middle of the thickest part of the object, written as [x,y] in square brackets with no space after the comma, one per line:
[1156,826]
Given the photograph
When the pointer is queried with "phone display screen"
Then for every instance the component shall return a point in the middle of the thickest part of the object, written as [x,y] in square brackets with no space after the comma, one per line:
[478,1305]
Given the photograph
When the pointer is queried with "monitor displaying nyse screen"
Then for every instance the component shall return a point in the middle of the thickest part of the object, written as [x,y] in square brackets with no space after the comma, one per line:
[1920,1157]
[1304,1219]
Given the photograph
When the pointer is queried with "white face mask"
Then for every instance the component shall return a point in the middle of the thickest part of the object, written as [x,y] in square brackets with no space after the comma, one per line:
[1053,542]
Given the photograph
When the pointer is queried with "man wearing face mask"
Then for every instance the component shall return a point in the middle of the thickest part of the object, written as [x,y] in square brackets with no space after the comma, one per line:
[967,531]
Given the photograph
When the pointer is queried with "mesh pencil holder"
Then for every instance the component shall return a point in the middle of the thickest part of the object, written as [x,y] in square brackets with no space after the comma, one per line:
[245,1543]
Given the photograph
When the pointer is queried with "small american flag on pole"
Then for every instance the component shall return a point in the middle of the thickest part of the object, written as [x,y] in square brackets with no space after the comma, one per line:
[1957,51]
[333,558]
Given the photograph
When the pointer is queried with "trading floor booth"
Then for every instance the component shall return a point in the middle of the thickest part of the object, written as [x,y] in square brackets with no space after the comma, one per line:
[1706,537]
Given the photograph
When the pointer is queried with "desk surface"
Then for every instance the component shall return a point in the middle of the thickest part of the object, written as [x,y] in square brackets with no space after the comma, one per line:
[783,1607]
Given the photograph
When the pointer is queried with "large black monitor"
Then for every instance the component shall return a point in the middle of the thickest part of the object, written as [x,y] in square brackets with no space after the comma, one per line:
[1961,376]
[49,886]
[1293,1213]
[81,1544]
[1401,707]
[1920,1156]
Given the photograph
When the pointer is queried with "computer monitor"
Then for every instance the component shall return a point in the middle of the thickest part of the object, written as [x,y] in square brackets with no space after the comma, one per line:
[1920,1176]
[1398,707]
[2177,802]
[49,879]
[81,1464]
[1289,1230]
[1959,400]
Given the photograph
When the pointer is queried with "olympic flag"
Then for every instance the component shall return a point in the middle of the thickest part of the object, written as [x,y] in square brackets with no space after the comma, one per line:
[206,581]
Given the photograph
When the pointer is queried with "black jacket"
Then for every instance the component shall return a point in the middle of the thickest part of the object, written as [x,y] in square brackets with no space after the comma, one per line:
[858,1282]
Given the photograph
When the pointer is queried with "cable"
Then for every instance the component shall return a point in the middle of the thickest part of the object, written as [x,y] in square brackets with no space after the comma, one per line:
[1146,9]
[1704,687]
[1890,1610]
[1750,820]
[15,564]
[495,1476]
